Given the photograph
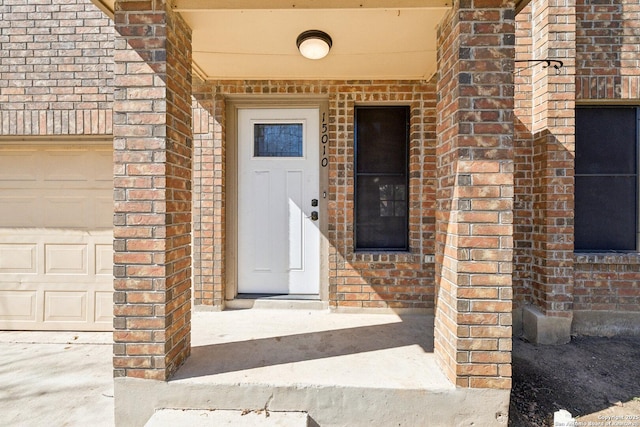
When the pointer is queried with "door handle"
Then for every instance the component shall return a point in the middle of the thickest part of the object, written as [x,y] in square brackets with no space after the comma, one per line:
[314,216]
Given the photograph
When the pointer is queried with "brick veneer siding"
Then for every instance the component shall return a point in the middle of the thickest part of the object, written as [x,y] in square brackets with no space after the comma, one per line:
[545,149]
[523,161]
[607,60]
[475,194]
[553,23]
[607,282]
[152,211]
[209,237]
[608,50]
[56,68]
[356,280]
[608,71]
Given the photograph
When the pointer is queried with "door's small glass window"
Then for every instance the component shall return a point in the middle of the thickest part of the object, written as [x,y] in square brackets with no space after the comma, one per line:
[277,139]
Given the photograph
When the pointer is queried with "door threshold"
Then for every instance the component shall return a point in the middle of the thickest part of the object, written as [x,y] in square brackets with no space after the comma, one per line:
[277,301]
[294,297]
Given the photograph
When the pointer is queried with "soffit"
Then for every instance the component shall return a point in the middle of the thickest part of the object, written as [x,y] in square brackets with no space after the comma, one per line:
[256,39]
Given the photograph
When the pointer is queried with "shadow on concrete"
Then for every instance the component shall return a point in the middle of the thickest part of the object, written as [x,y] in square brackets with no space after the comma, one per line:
[283,348]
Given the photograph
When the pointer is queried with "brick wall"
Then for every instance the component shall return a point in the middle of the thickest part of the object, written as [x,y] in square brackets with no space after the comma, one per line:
[152,191]
[56,68]
[607,282]
[545,146]
[356,280]
[553,24]
[209,237]
[608,49]
[607,64]
[523,161]
[608,69]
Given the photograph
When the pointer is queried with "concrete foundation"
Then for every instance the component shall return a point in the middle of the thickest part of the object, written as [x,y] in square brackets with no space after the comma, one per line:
[516,326]
[340,369]
[606,323]
[540,329]
[327,406]
[200,418]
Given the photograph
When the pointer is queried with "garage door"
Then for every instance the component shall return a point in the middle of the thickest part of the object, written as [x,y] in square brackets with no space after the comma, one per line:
[56,252]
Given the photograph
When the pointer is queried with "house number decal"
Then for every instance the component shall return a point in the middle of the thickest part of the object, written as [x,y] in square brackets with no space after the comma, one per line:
[325,139]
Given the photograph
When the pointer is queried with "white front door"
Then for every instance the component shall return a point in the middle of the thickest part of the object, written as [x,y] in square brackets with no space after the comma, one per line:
[278,186]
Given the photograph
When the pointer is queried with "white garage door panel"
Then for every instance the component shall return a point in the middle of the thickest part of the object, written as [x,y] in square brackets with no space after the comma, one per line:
[9,204]
[18,258]
[65,306]
[103,156]
[102,209]
[66,165]
[12,164]
[65,259]
[64,211]
[61,207]
[104,260]
[18,306]
[59,186]
[103,302]
[56,279]
[56,240]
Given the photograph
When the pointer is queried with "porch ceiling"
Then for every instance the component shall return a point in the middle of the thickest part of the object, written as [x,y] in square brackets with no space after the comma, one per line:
[256,39]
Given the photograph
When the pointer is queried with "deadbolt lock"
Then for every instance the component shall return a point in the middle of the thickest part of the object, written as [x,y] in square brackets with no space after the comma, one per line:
[314,202]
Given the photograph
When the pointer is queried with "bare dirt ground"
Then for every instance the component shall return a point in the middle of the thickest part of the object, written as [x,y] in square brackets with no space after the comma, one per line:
[596,379]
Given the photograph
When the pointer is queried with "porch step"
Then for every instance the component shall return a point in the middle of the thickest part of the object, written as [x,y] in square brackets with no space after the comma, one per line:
[283,302]
[199,417]
[342,370]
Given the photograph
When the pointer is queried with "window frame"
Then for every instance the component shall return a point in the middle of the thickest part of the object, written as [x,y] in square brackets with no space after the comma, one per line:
[406,174]
[636,109]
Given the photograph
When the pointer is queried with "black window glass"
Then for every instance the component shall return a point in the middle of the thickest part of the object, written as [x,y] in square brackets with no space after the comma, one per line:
[381,136]
[606,206]
[605,214]
[608,136]
[381,178]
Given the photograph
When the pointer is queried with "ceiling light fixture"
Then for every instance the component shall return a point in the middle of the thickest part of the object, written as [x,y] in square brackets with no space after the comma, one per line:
[314,44]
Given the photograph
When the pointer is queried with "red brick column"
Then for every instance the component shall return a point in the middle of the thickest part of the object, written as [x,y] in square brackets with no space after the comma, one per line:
[548,321]
[152,184]
[475,194]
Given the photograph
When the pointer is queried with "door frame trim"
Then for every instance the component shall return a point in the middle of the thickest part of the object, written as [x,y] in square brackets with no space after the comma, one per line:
[233,104]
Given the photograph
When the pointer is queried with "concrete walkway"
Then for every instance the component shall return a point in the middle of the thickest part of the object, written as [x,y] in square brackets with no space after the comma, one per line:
[56,379]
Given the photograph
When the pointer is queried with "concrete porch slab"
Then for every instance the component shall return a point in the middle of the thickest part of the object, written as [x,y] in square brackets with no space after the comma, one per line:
[341,369]
[284,347]
[201,418]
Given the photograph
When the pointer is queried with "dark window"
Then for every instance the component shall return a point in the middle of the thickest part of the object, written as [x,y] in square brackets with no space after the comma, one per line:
[606,202]
[381,178]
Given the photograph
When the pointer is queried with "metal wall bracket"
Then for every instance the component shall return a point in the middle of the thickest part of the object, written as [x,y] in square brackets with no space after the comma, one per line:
[555,63]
